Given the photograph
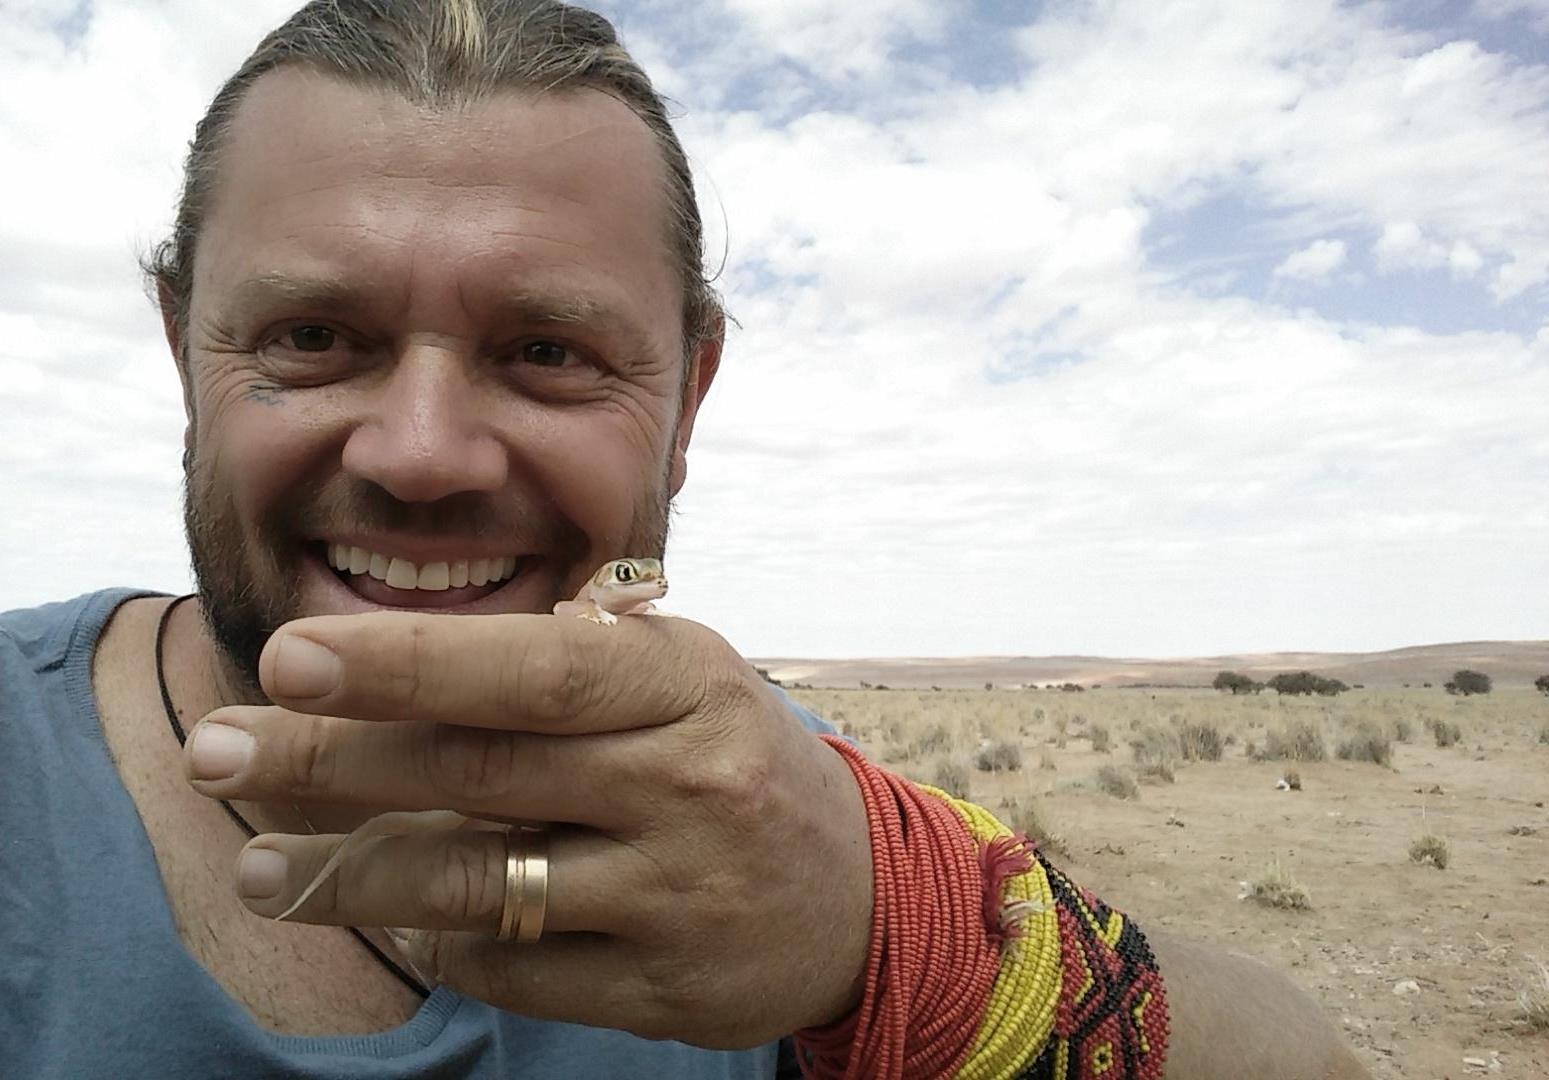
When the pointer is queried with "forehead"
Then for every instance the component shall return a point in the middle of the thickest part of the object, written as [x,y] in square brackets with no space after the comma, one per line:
[320,178]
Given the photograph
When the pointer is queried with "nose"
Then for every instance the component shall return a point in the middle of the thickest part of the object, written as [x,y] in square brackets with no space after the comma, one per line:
[426,433]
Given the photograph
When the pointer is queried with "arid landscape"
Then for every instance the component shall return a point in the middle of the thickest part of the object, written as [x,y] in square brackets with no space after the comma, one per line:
[1388,846]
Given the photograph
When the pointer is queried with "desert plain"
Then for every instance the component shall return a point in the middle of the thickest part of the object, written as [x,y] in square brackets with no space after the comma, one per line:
[1175,805]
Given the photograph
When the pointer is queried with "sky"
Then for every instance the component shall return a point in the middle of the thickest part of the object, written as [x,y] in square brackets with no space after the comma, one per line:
[1139,328]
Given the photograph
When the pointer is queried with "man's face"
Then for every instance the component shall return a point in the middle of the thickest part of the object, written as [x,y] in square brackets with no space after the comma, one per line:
[434,337]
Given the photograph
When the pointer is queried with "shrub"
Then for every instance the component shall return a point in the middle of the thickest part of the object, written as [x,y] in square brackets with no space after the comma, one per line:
[1292,779]
[1367,744]
[1534,999]
[1002,755]
[1278,889]
[1155,746]
[1158,771]
[933,740]
[1403,730]
[1114,781]
[1200,742]
[1467,682]
[1446,734]
[1305,682]
[1046,761]
[1236,683]
[1542,683]
[1297,741]
[1430,848]
[1021,816]
[1102,742]
[1543,734]
[951,776]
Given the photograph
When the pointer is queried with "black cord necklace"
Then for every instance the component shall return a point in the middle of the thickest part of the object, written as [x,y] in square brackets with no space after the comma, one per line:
[177,729]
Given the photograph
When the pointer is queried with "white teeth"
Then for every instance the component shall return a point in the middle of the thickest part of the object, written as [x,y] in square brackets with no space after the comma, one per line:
[432,577]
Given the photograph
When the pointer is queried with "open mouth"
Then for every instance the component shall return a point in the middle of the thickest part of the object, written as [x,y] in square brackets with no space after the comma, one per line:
[433,588]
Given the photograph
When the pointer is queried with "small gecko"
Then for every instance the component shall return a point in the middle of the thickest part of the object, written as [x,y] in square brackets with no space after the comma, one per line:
[620,587]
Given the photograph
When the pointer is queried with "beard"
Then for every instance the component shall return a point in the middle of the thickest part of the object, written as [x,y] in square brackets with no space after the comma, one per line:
[249,587]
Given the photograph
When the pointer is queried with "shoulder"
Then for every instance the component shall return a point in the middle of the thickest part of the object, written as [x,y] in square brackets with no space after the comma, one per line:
[809,719]
[42,638]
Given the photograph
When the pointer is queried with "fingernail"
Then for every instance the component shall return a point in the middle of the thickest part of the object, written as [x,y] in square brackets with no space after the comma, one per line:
[305,669]
[220,750]
[260,873]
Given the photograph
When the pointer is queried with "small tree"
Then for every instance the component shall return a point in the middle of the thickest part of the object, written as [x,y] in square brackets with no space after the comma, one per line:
[1468,682]
[1305,682]
[1236,683]
[1542,682]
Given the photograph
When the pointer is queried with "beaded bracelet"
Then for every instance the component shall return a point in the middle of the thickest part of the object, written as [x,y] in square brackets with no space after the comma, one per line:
[986,962]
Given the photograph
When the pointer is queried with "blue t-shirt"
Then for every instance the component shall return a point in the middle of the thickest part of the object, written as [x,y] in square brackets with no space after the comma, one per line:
[94,980]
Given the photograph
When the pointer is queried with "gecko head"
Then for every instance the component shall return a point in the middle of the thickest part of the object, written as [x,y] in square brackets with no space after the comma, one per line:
[642,579]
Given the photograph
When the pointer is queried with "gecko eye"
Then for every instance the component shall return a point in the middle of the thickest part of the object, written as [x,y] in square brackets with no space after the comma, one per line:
[624,573]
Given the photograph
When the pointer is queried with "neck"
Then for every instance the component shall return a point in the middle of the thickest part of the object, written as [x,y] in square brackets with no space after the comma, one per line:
[200,680]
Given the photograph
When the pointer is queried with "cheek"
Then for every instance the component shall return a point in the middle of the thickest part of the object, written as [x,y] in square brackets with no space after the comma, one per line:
[252,448]
[600,475]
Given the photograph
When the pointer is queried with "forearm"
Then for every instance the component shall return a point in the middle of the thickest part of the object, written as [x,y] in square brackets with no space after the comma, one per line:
[1236,1017]
[1081,992]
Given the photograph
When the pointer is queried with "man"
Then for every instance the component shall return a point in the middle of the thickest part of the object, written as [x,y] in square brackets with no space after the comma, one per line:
[435,300]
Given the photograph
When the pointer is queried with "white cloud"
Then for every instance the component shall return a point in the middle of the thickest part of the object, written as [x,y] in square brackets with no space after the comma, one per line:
[1315,262]
[1150,470]
[1402,246]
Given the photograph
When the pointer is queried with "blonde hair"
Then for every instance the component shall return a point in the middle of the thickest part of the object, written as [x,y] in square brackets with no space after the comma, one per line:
[439,53]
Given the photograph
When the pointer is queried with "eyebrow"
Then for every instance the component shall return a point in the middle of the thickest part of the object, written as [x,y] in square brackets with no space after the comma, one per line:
[525,304]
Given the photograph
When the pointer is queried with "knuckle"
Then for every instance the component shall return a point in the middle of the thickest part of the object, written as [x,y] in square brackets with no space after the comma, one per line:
[461,888]
[558,683]
[407,681]
[735,783]
[309,761]
[470,762]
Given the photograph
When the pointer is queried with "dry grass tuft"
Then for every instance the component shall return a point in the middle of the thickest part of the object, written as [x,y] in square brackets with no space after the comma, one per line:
[1543,735]
[1534,998]
[1155,746]
[1367,744]
[1429,848]
[1279,889]
[1292,780]
[1002,755]
[1200,742]
[935,739]
[1160,772]
[1046,761]
[1102,742]
[1112,780]
[1299,740]
[1446,734]
[952,777]
[1403,730]
[1021,816]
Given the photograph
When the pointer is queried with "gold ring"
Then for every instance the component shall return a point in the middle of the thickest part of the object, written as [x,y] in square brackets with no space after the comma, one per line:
[527,886]
[510,909]
[535,887]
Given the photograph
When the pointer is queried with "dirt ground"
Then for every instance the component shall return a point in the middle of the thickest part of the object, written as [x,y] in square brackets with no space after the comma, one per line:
[1422,968]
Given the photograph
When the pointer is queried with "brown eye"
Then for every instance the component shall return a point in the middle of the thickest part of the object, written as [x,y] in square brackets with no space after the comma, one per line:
[545,354]
[311,338]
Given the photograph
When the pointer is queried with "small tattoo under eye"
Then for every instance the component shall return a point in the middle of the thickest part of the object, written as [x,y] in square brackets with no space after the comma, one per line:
[267,395]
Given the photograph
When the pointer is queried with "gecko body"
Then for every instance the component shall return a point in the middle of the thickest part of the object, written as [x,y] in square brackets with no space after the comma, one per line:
[619,587]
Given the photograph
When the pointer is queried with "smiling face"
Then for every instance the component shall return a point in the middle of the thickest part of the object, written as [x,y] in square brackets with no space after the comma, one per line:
[426,340]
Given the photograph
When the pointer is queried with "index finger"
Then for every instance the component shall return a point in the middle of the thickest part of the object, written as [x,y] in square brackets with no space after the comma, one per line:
[539,673]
